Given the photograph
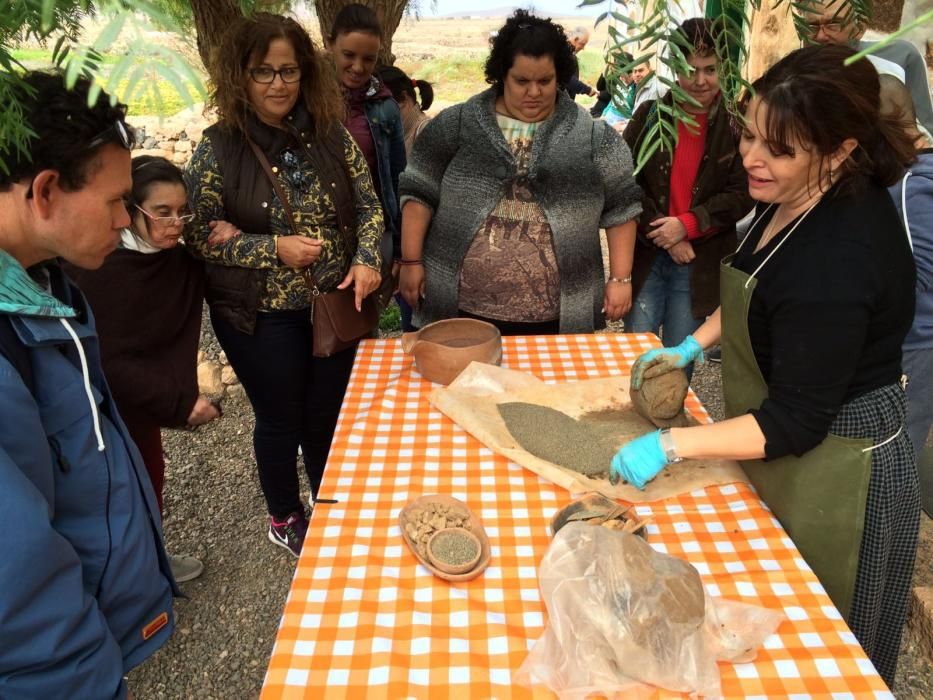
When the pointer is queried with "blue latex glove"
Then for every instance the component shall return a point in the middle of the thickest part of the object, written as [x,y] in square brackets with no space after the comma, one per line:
[663,360]
[639,461]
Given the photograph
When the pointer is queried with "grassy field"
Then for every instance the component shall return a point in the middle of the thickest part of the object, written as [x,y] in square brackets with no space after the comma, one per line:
[151,94]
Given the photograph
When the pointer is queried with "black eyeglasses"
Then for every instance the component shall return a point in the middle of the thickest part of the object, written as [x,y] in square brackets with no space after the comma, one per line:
[265,75]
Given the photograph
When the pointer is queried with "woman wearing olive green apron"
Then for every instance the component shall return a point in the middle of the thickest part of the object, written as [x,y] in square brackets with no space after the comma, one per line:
[814,305]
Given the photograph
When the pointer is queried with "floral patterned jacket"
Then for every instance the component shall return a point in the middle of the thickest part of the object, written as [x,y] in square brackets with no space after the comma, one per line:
[283,287]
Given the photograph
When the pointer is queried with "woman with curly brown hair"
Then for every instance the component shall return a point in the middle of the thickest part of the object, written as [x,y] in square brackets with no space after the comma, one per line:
[281,173]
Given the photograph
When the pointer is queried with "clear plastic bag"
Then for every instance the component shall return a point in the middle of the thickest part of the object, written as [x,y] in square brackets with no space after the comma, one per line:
[622,615]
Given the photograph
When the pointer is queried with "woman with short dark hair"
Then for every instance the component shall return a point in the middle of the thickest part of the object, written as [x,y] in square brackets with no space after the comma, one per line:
[147,300]
[816,303]
[504,196]
[281,173]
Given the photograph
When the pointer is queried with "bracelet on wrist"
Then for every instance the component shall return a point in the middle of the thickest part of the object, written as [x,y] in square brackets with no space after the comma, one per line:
[403,261]
[275,242]
[620,280]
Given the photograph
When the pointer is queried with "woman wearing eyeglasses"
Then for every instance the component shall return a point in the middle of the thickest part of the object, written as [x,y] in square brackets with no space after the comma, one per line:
[147,299]
[281,172]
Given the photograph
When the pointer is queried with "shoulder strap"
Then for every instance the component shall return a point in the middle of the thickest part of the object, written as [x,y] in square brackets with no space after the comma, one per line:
[16,353]
[264,162]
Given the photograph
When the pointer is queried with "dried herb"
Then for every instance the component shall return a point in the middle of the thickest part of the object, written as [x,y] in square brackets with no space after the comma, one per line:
[453,548]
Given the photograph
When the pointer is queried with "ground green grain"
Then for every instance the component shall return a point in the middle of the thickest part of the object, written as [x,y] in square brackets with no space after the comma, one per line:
[586,447]
[453,548]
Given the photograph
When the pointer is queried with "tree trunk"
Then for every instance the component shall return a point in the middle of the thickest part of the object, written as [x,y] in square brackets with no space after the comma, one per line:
[211,19]
[771,37]
[886,15]
[389,12]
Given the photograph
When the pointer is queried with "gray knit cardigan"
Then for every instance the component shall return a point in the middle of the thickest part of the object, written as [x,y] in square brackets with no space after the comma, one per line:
[580,172]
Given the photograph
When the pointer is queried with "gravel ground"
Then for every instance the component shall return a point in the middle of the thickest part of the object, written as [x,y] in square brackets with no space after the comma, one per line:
[227,625]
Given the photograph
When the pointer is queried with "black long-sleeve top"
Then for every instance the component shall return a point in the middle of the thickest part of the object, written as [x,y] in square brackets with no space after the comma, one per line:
[829,313]
[575,86]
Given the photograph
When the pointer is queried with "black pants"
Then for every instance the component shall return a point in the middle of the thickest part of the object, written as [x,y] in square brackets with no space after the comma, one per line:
[517,327]
[296,398]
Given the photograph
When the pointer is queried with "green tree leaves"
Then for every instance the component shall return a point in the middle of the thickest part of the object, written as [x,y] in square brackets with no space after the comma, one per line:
[134,70]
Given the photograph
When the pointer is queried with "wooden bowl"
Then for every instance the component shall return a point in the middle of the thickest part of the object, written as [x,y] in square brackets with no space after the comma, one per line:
[443,349]
[475,526]
[446,567]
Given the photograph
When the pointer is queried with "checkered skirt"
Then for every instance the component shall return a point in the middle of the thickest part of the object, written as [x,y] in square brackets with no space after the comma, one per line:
[892,520]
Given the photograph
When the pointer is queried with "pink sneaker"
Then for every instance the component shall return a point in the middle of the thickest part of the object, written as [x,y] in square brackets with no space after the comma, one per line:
[290,533]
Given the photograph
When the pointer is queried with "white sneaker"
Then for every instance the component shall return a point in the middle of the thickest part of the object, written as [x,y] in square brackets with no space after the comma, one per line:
[185,568]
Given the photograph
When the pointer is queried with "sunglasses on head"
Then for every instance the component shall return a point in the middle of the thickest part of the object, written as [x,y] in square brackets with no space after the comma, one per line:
[106,136]
[118,128]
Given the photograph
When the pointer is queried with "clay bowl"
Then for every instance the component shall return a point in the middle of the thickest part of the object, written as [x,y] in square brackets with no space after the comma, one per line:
[446,567]
[444,349]
[594,507]
[475,527]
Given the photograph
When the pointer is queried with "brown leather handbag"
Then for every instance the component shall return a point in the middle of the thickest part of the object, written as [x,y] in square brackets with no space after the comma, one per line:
[335,323]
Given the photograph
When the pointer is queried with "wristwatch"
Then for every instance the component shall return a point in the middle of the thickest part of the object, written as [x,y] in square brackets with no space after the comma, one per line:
[667,444]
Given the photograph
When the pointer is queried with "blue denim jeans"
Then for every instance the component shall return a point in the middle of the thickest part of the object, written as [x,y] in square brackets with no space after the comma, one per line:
[918,366]
[664,303]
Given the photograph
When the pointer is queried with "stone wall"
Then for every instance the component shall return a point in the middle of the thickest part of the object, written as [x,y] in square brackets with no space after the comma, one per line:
[174,138]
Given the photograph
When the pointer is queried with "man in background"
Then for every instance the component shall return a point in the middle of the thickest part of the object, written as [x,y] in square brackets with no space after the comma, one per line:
[579,37]
[832,22]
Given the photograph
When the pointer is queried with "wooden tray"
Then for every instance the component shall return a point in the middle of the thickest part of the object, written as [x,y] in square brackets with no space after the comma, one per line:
[476,527]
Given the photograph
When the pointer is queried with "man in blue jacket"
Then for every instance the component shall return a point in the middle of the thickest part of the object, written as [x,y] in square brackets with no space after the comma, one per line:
[85,586]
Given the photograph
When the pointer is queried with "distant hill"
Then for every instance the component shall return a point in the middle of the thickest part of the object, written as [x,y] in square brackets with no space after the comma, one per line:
[504,11]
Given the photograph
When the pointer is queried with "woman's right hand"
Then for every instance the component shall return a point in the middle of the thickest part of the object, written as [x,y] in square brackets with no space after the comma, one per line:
[411,284]
[298,251]
[660,361]
[204,411]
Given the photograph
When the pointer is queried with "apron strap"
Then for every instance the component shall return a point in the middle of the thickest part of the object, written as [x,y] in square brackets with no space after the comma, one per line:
[752,228]
[885,441]
[780,243]
[910,239]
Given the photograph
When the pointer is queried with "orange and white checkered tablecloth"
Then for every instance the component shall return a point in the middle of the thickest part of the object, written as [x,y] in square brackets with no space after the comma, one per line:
[364,620]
